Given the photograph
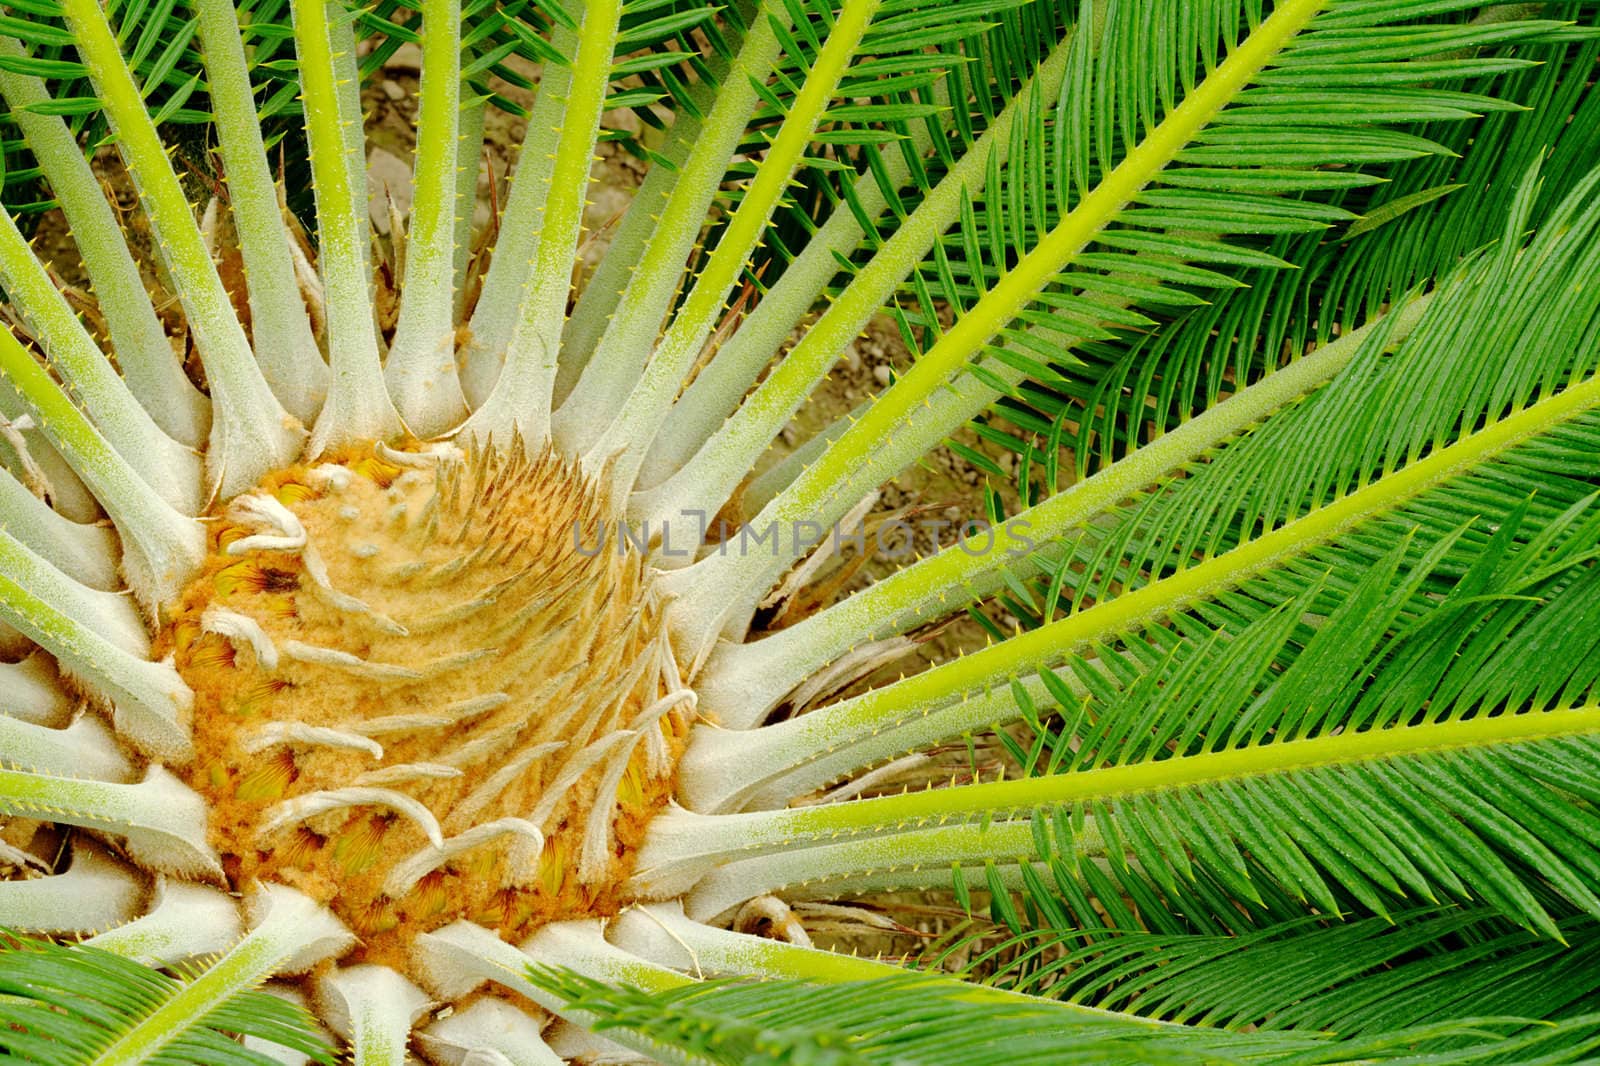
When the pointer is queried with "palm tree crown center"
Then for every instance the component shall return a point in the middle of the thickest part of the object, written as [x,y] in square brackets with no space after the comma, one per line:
[420,696]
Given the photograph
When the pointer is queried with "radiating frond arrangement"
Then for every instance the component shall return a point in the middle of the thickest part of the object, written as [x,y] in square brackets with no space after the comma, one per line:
[455,638]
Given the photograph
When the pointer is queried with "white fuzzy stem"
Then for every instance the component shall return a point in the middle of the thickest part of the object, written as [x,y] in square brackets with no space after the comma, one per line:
[161,820]
[597,303]
[521,398]
[373,1008]
[140,341]
[421,370]
[883,862]
[162,546]
[728,454]
[520,226]
[284,344]
[896,429]
[94,893]
[167,467]
[150,702]
[27,452]
[292,924]
[750,679]
[186,922]
[33,692]
[781,474]
[462,956]
[582,946]
[304,931]
[662,933]
[358,407]
[488,1027]
[348,662]
[86,748]
[88,552]
[469,165]
[251,433]
[400,773]
[107,613]
[651,286]
[648,404]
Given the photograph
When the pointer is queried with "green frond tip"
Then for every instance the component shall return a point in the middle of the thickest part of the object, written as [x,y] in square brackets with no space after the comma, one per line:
[63,1004]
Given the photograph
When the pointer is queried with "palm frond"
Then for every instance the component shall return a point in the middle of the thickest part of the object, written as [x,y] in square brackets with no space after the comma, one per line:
[1285,748]
[1432,212]
[71,1004]
[932,1021]
[163,50]
[924,1019]
[1357,978]
[1361,684]
[1144,177]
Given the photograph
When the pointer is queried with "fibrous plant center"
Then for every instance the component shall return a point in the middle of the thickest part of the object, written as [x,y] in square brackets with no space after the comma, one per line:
[423,694]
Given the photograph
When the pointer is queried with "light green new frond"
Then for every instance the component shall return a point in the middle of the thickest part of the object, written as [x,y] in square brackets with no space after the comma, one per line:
[727,454]
[520,225]
[1433,211]
[653,284]
[1146,385]
[879,140]
[648,403]
[1207,559]
[88,552]
[1286,743]
[161,546]
[1383,411]
[166,466]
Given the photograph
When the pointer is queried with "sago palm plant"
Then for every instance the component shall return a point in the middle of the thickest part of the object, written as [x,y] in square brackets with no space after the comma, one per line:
[475,671]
